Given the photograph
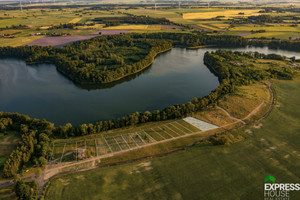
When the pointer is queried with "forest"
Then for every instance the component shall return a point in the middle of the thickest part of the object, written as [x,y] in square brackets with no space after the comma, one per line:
[111,57]
[34,146]
[130,19]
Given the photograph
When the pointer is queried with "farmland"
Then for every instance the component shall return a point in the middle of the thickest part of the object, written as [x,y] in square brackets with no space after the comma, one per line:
[239,173]
[222,14]
[219,20]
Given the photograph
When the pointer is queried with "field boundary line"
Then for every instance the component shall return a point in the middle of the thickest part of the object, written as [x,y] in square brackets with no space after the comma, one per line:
[172,130]
[158,133]
[184,127]
[150,136]
[184,133]
[165,132]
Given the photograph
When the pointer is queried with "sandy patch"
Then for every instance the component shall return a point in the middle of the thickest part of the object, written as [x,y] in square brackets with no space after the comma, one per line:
[275,161]
[80,177]
[258,125]
[142,166]
[64,182]
[248,131]
[273,147]
[145,164]
[296,152]
[135,171]
[287,156]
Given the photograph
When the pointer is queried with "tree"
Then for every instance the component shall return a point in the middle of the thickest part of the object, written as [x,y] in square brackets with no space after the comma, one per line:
[26,191]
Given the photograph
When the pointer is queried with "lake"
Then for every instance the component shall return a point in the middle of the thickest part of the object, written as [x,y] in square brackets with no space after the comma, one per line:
[40,91]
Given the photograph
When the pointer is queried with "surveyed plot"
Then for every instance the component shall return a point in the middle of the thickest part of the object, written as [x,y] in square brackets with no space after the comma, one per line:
[84,149]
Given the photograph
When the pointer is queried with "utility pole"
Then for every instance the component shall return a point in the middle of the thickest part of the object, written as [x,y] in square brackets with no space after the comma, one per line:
[21,6]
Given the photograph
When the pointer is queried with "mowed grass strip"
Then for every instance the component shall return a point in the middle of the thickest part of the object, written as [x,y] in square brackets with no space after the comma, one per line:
[208,27]
[206,171]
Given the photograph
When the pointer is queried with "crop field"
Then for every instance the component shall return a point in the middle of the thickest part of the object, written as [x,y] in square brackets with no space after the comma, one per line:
[210,27]
[61,40]
[171,15]
[223,14]
[279,28]
[279,35]
[75,20]
[70,151]
[221,26]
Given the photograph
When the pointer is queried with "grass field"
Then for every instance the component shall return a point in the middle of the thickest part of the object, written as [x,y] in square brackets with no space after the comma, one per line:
[280,31]
[210,172]
[278,35]
[244,100]
[19,41]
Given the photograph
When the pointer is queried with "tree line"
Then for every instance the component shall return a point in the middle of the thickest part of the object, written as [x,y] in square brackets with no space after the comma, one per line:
[130,19]
[34,145]
[292,45]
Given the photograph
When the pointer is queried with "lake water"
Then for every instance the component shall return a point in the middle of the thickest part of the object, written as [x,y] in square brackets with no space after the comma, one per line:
[40,91]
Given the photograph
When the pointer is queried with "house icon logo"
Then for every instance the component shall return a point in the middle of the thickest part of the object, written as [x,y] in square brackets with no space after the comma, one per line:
[270,178]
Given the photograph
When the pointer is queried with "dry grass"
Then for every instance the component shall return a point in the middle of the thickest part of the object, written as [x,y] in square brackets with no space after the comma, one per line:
[245,99]
[19,41]
[214,116]
[221,26]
